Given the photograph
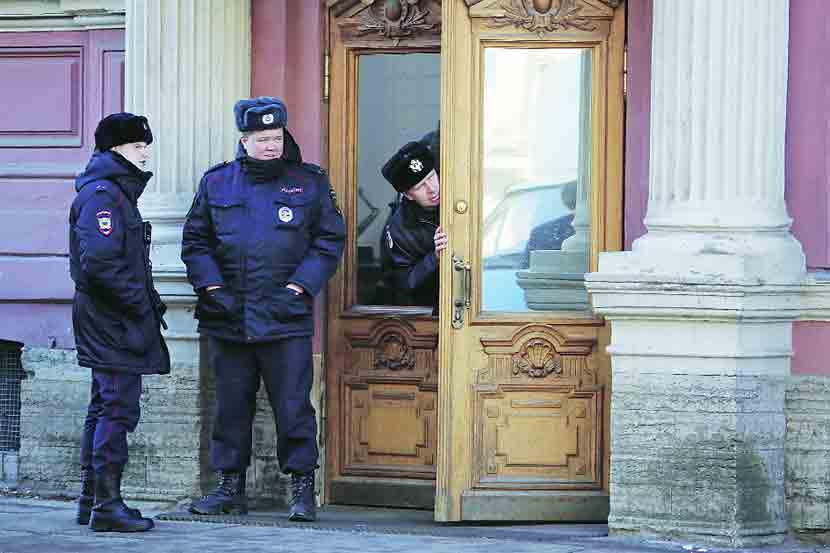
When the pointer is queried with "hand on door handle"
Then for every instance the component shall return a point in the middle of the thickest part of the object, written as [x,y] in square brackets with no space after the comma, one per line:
[461,301]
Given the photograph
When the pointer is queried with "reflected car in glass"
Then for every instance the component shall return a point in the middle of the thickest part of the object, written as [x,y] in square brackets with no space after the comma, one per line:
[507,230]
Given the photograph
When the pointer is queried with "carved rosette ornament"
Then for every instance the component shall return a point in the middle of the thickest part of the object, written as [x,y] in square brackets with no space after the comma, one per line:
[543,16]
[537,359]
[393,354]
[395,19]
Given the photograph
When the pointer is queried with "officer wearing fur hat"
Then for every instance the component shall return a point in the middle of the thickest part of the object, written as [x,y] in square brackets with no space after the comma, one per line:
[116,312]
[262,238]
[412,239]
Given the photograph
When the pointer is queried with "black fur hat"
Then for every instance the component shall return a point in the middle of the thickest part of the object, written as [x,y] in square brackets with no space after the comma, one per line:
[260,113]
[408,166]
[122,128]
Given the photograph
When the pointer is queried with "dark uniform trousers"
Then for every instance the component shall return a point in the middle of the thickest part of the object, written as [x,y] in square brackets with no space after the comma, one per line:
[286,368]
[113,412]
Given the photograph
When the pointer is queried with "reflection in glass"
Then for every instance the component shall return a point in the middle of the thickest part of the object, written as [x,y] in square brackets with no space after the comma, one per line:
[536,179]
[398,100]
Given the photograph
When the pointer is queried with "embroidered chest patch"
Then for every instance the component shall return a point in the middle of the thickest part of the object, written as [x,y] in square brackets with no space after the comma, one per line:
[292,190]
[104,222]
[285,214]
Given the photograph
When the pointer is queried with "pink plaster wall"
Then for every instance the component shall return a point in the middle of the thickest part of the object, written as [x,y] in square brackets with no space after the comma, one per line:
[637,118]
[811,348]
[808,129]
[287,62]
[59,85]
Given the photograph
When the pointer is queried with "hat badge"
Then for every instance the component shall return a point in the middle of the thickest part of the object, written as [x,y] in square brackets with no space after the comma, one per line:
[415,165]
[268,118]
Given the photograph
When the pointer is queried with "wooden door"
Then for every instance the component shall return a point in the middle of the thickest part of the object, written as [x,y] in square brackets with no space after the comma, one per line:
[532,96]
[381,360]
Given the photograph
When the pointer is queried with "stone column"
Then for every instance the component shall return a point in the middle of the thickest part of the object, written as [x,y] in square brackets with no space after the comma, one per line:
[188,61]
[701,309]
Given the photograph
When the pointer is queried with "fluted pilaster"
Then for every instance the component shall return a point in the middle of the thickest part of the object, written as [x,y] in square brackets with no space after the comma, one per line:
[188,61]
[719,92]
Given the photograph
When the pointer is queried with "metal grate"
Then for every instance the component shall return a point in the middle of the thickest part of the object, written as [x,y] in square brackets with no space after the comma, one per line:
[11,373]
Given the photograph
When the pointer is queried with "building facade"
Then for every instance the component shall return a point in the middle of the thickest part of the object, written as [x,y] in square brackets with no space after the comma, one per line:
[662,366]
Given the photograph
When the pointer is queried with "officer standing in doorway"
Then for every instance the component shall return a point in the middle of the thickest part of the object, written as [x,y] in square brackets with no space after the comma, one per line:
[413,239]
[116,312]
[262,238]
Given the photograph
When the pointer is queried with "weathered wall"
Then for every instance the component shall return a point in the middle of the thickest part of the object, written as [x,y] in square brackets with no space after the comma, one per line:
[808,456]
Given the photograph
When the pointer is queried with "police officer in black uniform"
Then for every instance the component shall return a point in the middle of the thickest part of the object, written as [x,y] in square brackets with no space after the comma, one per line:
[116,312]
[262,238]
[413,238]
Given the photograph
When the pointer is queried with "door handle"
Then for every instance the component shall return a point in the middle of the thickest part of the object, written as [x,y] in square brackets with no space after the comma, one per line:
[461,299]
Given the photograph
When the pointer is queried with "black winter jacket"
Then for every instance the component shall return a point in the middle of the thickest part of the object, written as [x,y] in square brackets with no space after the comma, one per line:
[408,258]
[116,312]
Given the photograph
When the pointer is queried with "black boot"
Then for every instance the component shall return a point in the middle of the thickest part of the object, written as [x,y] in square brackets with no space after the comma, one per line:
[303,507]
[110,514]
[228,497]
[87,498]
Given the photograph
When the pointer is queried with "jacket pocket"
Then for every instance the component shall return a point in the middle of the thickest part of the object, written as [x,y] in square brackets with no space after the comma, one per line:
[227,214]
[219,304]
[287,305]
[135,336]
[290,213]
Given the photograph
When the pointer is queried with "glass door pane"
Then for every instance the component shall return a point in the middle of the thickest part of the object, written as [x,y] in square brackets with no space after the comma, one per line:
[398,101]
[536,176]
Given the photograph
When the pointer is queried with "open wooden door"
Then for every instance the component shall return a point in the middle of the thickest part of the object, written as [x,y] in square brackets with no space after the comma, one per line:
[381,422]
[532,124]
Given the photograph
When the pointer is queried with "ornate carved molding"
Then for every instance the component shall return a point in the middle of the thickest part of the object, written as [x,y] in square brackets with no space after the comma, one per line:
[543,16]
[393,354]
[388,20]
[609,3]
[537,359]
[396,19]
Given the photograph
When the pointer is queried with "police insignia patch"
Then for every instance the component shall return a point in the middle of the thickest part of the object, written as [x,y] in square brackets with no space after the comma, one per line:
[416,165]
[285,214]
[333,196]
[104,222]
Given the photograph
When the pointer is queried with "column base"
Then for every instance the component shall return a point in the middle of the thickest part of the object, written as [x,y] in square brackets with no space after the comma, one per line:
[699,372]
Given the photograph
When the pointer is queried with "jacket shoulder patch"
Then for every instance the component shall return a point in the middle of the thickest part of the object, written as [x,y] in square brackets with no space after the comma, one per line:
[104,218]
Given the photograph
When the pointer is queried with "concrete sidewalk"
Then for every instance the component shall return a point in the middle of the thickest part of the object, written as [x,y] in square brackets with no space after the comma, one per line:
[47,526]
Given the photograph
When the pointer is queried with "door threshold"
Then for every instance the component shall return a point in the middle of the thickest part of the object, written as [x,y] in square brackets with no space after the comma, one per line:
[401,521]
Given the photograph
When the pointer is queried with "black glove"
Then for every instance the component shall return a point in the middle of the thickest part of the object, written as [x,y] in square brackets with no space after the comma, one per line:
[217,304]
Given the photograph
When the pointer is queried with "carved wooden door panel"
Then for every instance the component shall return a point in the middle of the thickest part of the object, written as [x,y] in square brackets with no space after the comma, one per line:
[533,100]
[381,360]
